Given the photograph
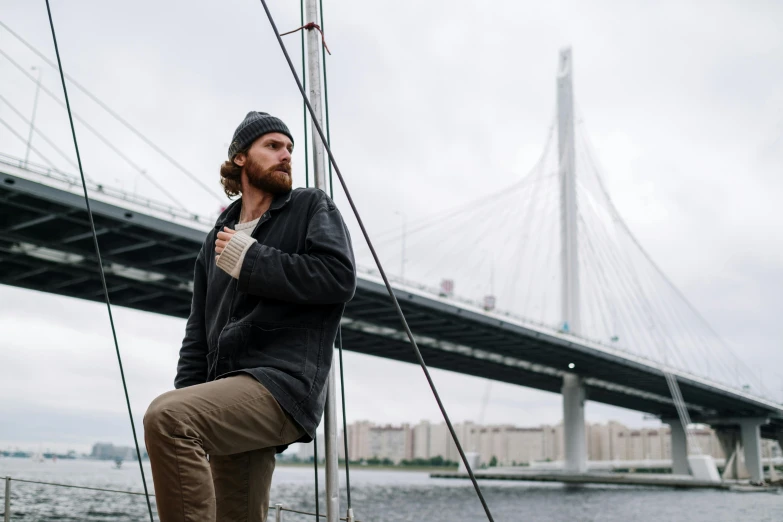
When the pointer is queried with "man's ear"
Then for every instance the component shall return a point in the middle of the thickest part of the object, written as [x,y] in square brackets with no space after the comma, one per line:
[240,159]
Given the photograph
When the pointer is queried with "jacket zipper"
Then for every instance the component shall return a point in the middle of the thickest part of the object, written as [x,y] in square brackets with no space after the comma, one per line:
[232,310]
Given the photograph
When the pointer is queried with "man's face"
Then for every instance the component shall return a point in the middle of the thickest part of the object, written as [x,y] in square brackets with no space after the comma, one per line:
[267,163]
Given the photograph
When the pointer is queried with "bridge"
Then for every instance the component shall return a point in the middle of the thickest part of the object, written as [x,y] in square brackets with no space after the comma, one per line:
[46,245]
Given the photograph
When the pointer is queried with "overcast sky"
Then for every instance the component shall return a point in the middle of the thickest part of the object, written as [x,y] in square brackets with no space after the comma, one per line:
[431,104]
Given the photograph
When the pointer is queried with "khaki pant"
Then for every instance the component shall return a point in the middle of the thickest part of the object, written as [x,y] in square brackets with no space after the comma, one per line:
[235,421]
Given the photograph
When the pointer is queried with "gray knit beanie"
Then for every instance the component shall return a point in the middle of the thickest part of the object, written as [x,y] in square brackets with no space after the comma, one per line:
[255,125]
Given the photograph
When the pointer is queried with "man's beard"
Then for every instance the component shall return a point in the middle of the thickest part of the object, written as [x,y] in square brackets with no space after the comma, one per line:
[270,180]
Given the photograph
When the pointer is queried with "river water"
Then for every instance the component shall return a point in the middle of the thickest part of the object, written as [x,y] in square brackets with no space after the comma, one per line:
[386,496]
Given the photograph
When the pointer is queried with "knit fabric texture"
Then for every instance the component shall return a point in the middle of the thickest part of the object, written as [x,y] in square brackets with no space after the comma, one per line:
[232,257]
[255,125]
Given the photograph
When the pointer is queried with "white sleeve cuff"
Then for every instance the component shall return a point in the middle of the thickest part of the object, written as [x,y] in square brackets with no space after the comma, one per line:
[232,257]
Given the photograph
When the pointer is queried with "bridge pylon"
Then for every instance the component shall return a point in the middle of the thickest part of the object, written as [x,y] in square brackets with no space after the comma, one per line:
[569,260]
[573,389]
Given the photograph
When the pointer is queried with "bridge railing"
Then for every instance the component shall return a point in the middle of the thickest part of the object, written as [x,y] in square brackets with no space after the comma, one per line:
[277,509]
[72,183]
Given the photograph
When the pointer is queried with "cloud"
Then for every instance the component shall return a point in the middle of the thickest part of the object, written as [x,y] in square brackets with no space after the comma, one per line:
[431,105]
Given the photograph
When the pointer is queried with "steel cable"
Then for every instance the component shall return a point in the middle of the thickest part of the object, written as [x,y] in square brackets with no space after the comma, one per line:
[315,468]
[37,131]
[345,424]
[653,264]
[24,140]
[95,132]
[663,339]
[98,254]
[304,107]
[117,117]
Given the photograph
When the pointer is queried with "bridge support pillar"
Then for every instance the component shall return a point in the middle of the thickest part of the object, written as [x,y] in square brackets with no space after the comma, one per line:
[780,440]
[729,438]
[574,424]
[751,441]
[679,447]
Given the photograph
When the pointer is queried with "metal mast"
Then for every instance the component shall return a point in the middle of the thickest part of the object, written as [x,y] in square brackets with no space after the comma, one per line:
[314,44]
[568,229]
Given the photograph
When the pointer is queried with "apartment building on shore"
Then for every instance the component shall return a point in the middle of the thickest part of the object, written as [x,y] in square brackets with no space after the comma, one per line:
[510,445]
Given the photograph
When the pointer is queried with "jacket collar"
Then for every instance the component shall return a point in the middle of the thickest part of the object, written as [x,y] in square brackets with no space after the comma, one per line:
[281,200]
[231,213]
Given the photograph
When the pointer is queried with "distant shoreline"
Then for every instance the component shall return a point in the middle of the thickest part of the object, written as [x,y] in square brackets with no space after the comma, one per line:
[284,464]
[280,464]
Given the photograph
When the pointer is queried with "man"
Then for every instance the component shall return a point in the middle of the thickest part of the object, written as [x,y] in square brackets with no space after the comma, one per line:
[271,282]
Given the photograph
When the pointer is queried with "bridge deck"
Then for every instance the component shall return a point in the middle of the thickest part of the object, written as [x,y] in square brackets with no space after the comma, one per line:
[46,245]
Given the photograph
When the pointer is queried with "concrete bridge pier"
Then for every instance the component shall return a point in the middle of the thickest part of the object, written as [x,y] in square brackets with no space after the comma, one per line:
[744,431]
[780,439]
[679,447]
[729,438]
[574,437]
[751,441]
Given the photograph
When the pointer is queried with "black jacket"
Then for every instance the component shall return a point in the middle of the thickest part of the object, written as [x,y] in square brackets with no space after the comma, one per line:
[279,320]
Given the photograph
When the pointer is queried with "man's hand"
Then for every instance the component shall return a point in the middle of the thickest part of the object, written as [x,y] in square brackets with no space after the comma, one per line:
[223,237]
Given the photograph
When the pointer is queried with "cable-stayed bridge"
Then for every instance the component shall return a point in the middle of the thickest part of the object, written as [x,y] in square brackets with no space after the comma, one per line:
[593,317]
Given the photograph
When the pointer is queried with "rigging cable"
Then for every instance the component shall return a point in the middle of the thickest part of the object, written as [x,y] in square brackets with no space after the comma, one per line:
[378,264]
[326,92]
[315,466]
[345,425]
[98,254]
[304,107]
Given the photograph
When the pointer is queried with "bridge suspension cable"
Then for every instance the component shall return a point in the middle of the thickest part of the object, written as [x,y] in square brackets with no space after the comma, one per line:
[97,134]
[664,343]
[13,131]
[113,114]
[40,134]
[630,292]
[702,337]
[473,206]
